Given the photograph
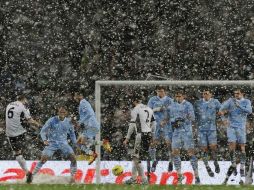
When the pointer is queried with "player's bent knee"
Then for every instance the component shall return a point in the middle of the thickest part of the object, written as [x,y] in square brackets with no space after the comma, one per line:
[168,143]
[232,145]
[18,153]
[242,146]
[175,152]
[72,158]
[81,140]
[213,146]
[44,159]
[74,162]
[191,152]
[136,160]
[204,148]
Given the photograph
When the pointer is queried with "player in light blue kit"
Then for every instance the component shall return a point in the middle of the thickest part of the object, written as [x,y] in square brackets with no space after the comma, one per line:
[54,135]
[205,111]
[90,127]
[160,105]
[182,115]
[237,109]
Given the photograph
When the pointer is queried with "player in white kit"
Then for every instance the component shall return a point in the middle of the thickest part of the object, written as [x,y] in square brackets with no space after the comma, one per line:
[15,113]
[141,124]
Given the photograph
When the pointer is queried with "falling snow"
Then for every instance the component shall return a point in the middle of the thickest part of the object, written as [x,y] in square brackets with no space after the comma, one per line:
[48,49]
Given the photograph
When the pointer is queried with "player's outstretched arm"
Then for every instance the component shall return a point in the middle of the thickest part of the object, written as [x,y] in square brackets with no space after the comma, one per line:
[29,119]
[33,122]
[44,130]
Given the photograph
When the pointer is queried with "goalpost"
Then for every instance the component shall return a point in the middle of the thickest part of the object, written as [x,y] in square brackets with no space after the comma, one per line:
[169,83]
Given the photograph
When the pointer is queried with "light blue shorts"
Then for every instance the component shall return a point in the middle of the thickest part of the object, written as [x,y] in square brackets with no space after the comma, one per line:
[208,137]
[237,135]
[91,128]
[182,139]
[65,149]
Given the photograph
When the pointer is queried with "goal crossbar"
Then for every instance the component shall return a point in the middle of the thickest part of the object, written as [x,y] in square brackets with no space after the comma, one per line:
[174,82]
[98,85]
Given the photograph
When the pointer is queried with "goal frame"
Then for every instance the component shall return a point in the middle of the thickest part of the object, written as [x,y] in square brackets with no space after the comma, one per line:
[100,83]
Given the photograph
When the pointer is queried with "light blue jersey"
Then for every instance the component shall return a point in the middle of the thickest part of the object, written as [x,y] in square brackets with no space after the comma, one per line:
[206,120]
[88,119]
[56,131]
[206,113]
[182,135]
[160,107]
[163,103]
[185,112]
[237,115]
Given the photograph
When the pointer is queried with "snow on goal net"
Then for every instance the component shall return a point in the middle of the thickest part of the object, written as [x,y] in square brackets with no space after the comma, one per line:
[112,106]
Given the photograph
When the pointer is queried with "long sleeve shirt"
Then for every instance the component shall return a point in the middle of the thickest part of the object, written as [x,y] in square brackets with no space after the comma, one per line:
[88,119]
[183,111]
[162,104]
[205,112]
[56,131]
[237,115]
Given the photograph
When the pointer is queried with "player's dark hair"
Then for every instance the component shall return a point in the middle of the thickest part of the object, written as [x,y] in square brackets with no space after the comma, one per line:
[21,97]
[207,89]
[61,106]
[137,98]
[79,92]
[160,87]
[180,91]
[239,89]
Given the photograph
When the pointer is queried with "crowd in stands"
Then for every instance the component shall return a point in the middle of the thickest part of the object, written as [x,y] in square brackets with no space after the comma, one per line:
[48,49]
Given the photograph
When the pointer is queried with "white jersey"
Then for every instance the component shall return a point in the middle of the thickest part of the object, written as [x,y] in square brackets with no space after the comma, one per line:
[15,111]
[145,115]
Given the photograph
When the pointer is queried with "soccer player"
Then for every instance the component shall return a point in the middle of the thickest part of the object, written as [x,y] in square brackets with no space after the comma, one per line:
[182,115]
[54,135]
[205,111]
[15,113]
[163,130]
[90,127]
[237,109]
[141,124]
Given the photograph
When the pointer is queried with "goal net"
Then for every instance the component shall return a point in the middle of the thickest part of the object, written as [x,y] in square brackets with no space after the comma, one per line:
[112,104]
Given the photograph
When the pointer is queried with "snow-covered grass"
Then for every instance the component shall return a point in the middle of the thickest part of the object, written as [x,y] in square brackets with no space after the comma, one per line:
[118,187]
